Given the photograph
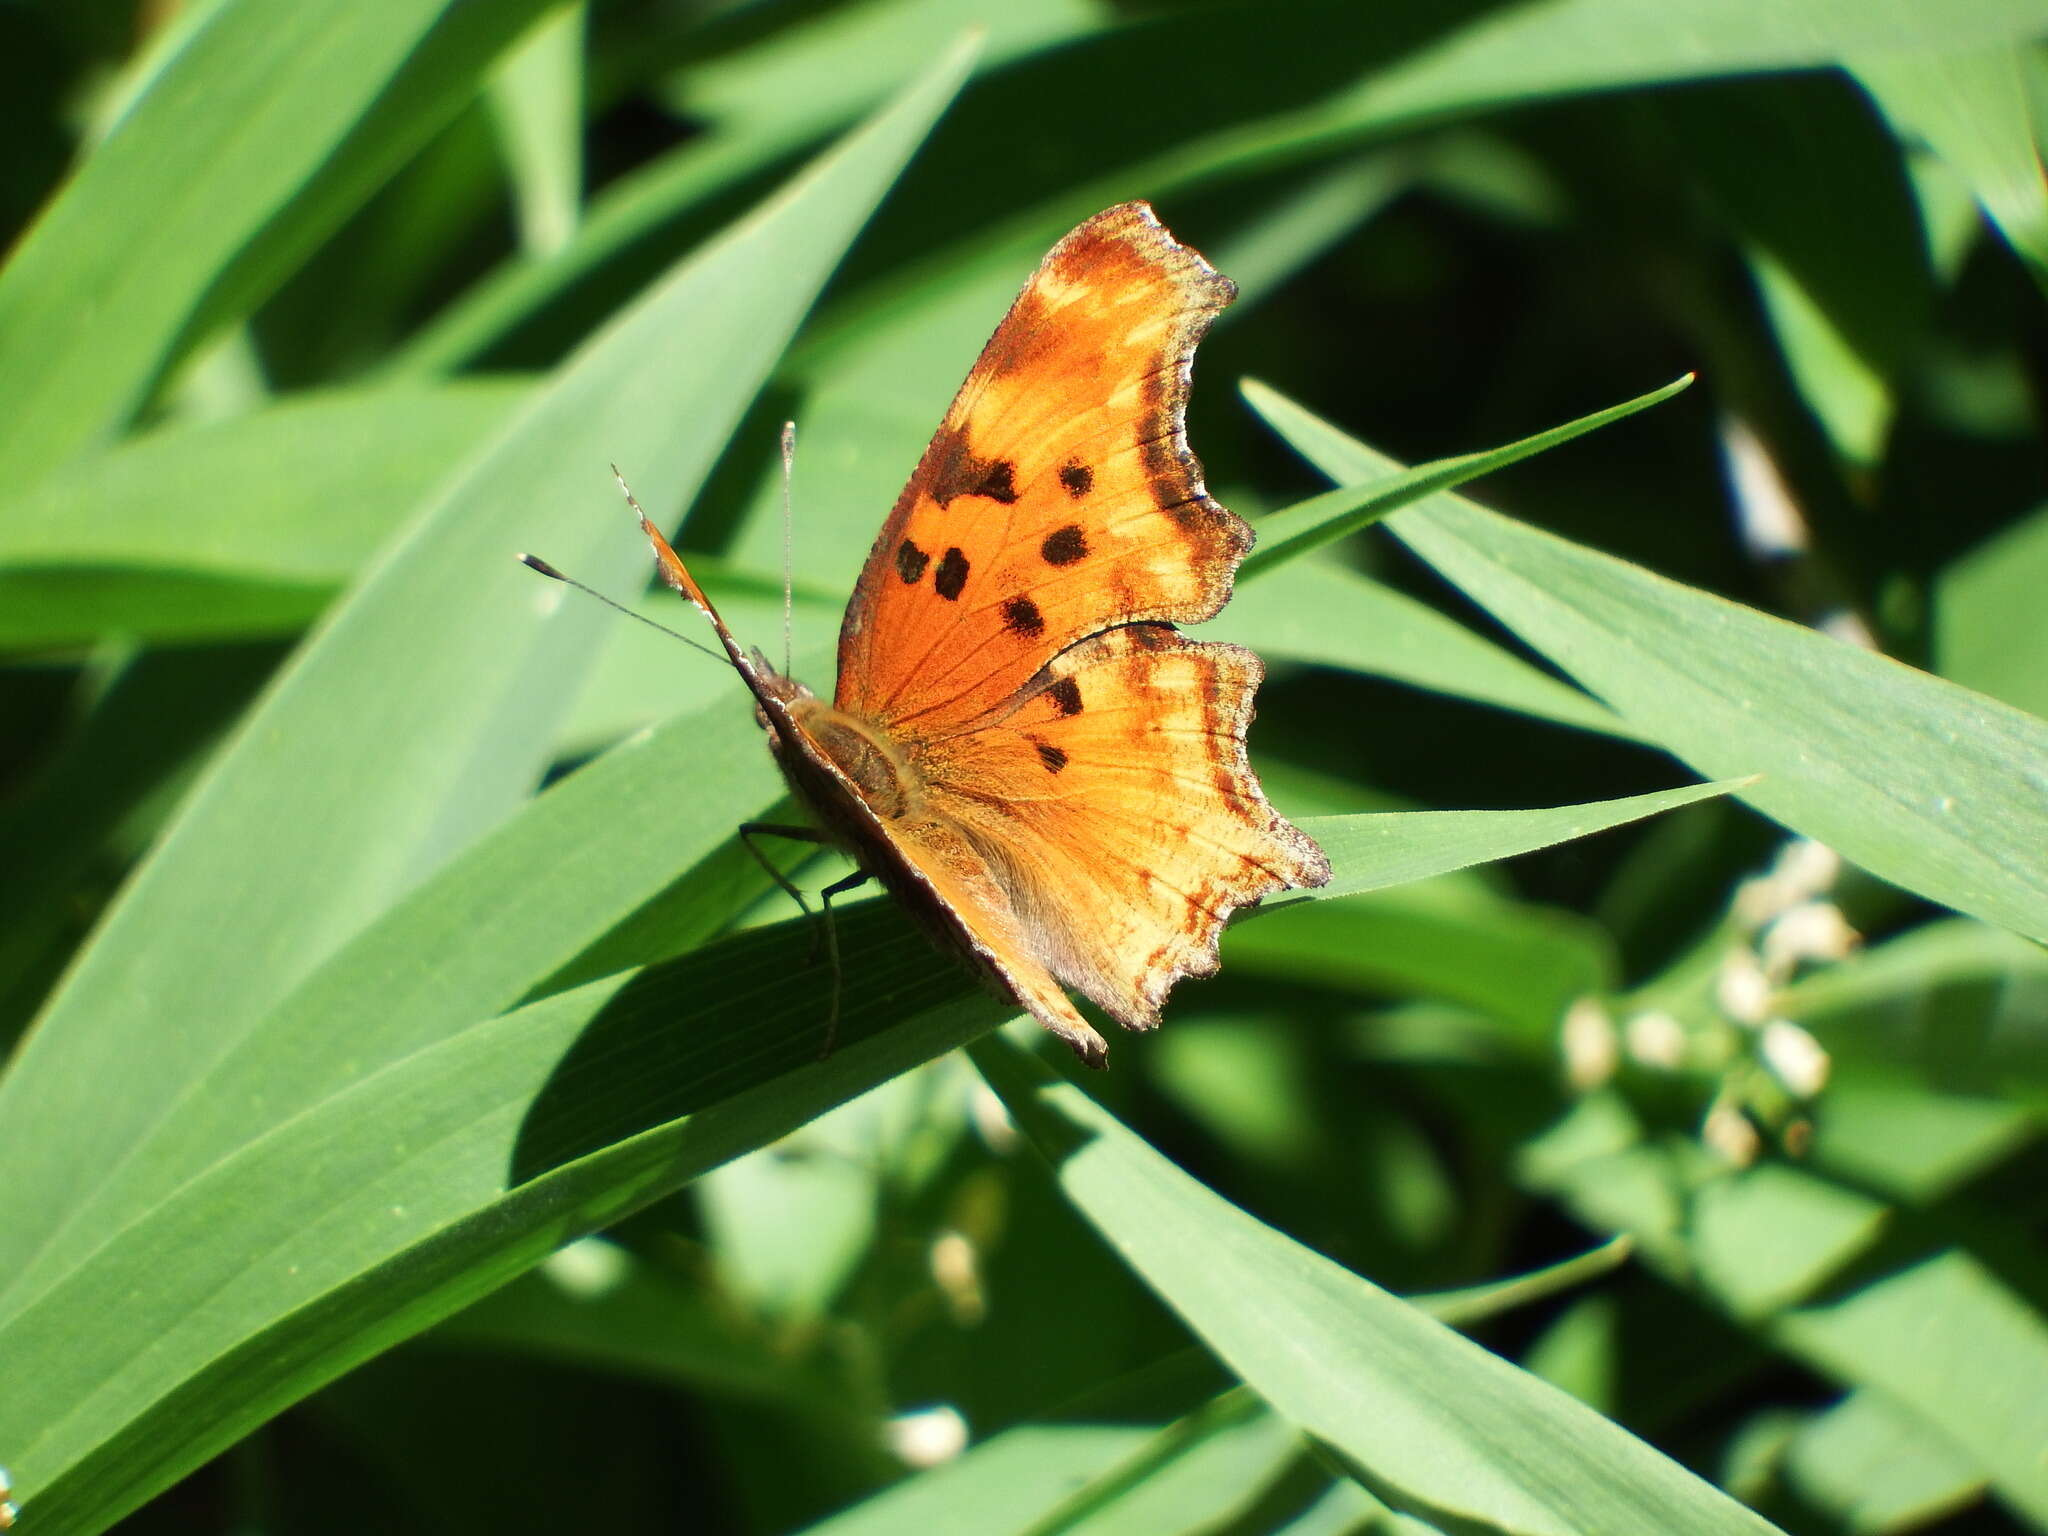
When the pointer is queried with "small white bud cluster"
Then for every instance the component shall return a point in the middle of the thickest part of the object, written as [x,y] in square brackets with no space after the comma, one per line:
[1768,1064]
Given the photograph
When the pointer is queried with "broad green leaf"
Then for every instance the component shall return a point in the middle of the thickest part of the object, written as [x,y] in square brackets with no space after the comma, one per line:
[1891,1133]
[1928,785]
[479,936]
[253,107]
[404,1193]
[1766,1237]
[1970,104]
[424,711]
[537,102]
[1961,1004]
[1941,1336]
[1948,1341]
[999,1488]
[1531,50]
[758,107]
[1877,1470]
[355,1077]
[1433,1425]
[150,720]
[1319,613]
[1987,630]
[292,499]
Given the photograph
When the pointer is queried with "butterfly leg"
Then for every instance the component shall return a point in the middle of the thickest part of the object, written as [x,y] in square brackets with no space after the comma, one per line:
[749,830]
[852,882]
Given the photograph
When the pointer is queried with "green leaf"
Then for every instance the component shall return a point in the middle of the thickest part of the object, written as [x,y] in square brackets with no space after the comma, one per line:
[537,104]
[1432,1424]
[290,500]
[254,107]
[1529,51]
[1949,1341]
[758,106]
[1987,630]
[1970,104]
[1373,851]
[1877,1469]
[1928,785]
[1318,521]
[1323,614]
[402,1194]
[425,709]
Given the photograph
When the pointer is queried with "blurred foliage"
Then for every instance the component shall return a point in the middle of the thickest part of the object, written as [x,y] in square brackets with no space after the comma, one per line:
[413,1119]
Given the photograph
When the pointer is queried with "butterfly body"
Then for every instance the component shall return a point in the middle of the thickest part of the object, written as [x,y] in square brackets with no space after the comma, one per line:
[1022,747]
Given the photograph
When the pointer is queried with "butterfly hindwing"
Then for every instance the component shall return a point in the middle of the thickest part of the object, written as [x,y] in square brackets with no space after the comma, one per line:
[1116,809]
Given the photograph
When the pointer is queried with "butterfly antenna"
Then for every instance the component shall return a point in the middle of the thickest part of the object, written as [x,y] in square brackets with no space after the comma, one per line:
[788,547]
[535,563]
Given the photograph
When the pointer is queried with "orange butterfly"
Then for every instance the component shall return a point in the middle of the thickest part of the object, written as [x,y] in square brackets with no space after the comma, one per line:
[1022,748]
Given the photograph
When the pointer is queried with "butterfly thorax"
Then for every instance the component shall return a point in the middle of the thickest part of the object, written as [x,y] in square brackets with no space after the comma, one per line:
[876,767]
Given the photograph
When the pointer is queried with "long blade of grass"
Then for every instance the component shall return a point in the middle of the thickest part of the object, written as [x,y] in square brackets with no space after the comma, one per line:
[1926,784]
[1372,851]
[257,104]
[295,497]
[1318,521]
[1430,1423]
[425,709]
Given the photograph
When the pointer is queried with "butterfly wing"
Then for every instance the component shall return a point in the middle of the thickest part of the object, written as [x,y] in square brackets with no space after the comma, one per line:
[1058,497]
[1076,805]
[1117,812]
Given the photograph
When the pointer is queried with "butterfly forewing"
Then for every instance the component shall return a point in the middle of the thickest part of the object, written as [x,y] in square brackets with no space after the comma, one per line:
[1058,498]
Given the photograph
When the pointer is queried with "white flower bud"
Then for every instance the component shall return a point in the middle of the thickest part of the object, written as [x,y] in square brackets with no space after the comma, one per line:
[1795,1058]
[1729,1135]
[1813,930]
[926,1436]
[1656,1040]
[1742,989]
[1592,1049]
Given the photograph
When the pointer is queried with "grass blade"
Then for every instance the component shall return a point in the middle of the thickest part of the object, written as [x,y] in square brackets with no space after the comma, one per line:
[1432,1424]
[1930,786]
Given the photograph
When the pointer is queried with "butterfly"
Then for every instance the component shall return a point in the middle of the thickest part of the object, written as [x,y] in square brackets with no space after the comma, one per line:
[1022,747]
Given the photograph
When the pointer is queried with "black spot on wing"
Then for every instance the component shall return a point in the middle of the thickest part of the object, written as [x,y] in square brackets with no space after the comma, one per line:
[999,483]
[1066,696]
[1050,755]
[910,562]
[1077,477]
[1065,545]
[952,575]
[1022,615]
